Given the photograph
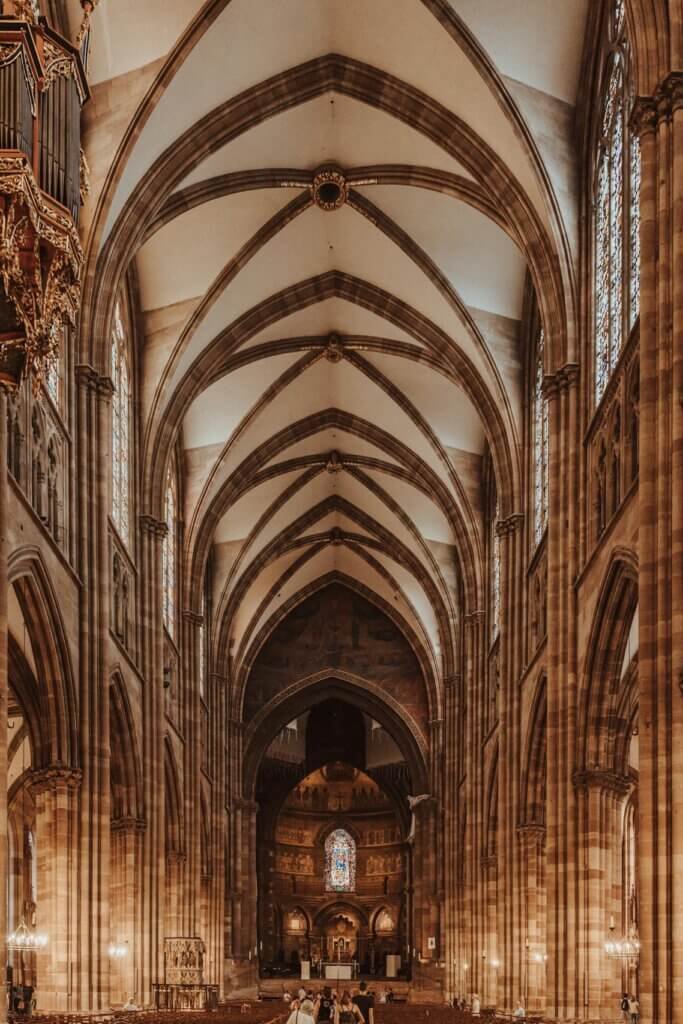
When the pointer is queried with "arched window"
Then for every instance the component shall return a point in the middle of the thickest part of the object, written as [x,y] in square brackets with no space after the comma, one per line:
[617,209]
[494,569]
[169,555]
[340,862]
[120,422]
[540,432]
[202,647]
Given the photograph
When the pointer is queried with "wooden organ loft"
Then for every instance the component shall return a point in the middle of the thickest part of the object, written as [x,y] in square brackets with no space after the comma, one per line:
[42,90]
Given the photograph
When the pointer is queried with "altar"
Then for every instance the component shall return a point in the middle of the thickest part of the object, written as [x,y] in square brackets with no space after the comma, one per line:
[341,971]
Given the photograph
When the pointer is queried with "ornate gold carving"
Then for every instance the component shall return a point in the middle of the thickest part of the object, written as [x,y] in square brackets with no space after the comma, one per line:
[88,8]
[25,9]
[330,189]
[60,63]
[40,271]
[84,176]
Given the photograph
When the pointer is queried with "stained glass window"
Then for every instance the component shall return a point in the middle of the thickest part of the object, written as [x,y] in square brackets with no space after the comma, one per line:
[540,427]
[202,649]
[120,427]
[616,213]
[495,574]
[340,862]
[169,555]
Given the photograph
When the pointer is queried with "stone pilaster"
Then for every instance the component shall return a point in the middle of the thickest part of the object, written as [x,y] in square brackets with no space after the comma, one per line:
[600,796]
[90,989]
[474,905]
[659,120]
[192,728]
[564,995]
[152,909]
[509,933]
[532,848]
[127,847]
[452,939]
[56,793]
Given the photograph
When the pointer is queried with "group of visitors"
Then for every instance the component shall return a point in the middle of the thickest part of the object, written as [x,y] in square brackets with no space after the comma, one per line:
[328,1007]
[475,1006]
[630,1008]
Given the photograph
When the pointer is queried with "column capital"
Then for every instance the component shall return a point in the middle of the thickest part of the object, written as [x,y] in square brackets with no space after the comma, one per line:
[489,860]
[194,618]
[155,527]
[452,681]
[561,380]
[650,111]
[54,777]
[602,778]
[90,378]
[129,825]
[475,618]
[509,524]
[530,833]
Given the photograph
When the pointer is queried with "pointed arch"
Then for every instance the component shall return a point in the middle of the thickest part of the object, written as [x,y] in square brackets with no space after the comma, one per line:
[173,802]
[126,774]
[599,724]
[533,780]
[56,738]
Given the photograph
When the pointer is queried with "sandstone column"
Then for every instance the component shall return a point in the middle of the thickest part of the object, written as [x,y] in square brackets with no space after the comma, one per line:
[56,793]
[659,120]
[91,883]
[152,909]
[564,991]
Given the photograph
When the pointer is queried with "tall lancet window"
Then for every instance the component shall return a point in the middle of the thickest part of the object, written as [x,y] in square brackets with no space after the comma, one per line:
[616,208]
[340,862]
[120,427]
[494,549]
[540,429]
[169,566]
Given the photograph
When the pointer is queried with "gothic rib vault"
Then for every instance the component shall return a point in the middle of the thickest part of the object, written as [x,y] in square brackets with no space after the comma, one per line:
[327,436]
[334,375]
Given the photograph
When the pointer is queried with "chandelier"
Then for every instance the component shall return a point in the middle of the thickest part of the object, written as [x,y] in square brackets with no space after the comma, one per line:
[25,940]
[625,948]
[117,951]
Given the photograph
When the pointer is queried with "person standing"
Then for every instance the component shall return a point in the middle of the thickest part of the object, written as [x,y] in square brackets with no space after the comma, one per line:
[303,1014]
[325,1007]
[634,1009]
[624,1008]
[365,1003]
[348,1012]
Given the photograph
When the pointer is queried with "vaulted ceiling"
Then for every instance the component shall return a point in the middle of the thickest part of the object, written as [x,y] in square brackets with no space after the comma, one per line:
[335,376]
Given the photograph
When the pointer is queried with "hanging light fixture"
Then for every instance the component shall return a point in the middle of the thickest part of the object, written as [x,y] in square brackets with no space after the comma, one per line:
[625,948]
[24,939]
[117,950]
